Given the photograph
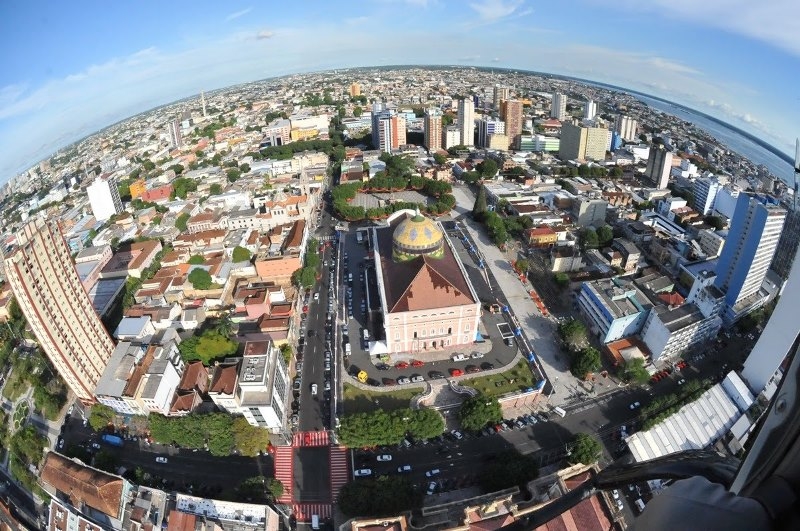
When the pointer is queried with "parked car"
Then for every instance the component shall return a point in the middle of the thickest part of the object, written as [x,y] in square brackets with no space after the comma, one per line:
[382,367]
[472,369]
[362,472]
[417,378]
[435,375]
[431,473]
[401,365]
[417,363]
[456,372]
[403,469]
[403,380]
[161,459]
[389,381]
[431,488]
[384,457]
[477,355]
[456,434]
[635,405]
[313,389]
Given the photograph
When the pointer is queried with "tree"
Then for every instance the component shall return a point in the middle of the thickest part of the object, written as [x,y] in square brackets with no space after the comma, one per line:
[385,496]
[196,259]
[357,111]
[244,167]
[561,280]
[101,416]
[478,411]
[200,279]
[249,439]
[589,238]
[182,186]
[634,371]
[215,189]
[479,209]
[383,428]
[148,165]
[177,168]
[209,346]
[585,449]
[522,265]
[487,168]
[233,175]
[180,222]
[605,234]
[585,362]
[439,159]
[240,254]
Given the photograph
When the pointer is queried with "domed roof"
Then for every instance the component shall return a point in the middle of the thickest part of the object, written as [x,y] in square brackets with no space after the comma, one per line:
[417,235]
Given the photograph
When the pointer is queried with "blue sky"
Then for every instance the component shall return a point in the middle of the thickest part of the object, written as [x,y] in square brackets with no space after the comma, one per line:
[71,68]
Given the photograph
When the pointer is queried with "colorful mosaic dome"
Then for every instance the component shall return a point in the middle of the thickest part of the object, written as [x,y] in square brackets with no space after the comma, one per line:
[417,235]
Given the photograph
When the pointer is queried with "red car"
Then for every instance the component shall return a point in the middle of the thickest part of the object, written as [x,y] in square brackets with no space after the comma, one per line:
[417,363]
[401,365]
[456,372]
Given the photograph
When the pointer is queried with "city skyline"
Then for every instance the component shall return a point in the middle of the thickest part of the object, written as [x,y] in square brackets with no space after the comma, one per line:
[61,84]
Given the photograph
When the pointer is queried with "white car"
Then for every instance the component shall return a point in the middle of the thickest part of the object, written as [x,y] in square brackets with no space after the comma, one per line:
[635,405]
[457,434]
[316,296]
[313,389]
[384,457]
[404,468]
[615,494]
[364,472]
[161,459]
[431,488]
[431,473]
[477,355]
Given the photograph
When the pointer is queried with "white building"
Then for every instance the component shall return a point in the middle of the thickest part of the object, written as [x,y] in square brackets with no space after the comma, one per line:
[488,127]
[589,109]
[558,109]
[466,121]
[704,191]
[669,332]
[626,127]
[104,198]
[613,311]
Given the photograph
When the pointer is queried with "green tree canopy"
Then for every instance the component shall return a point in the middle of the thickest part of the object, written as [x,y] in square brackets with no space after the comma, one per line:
[357,111]
[585,449]
[240,254]
[215,189]
[200,279]
[561,280]
[585,362]
[605,234]
[180,222]
[487,168]
[101,416]
[478,411]
[233,175]
[182,186]
[480,208]
[214,430]
[381,428]
[196,259]
[250,440]
[244,167]
[439,159]
[177,168]
[589,238]
[634,371]
[207,347]
[573,332]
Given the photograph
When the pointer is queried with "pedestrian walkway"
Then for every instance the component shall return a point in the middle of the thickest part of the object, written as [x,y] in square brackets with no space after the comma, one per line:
[304,511]
[340,470]
[310,438]
[284,471]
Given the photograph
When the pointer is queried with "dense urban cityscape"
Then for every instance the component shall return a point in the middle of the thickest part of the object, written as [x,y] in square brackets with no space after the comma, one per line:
[389,297]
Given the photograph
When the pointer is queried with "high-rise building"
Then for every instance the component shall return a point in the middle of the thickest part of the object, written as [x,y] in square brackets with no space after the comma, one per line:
[558,109]
[104,198]
[451,136]
[501,94]
[388,128]
[466,121]
[49,292]
[355,89]
[704,192]
[589,109]
[626,127]
[581,143]
[659,165]
[512,116]
[203,103]
[488,127]
[433,129]
[752,239]
[175,137]
[788,244]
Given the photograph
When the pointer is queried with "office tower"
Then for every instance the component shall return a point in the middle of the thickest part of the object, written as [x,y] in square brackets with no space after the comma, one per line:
[512,116]
[581,143]
[388,128]
[433,129]
[659,165]
[704,191]
[355,90]
[50,294]
[589,109]
[500,94]
[203,102]
[752,239]
[558,109]
[790,236]
[104,198]
[626,127]
[488,127]
[466,121]
[175,138]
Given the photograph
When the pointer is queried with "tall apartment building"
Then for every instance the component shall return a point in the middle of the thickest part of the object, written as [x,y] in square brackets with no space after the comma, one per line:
[355,89]
[488,127]
[466,121]
[582,143]
[512,116]
[48,289]
[388,128]
[589,109]
[451,136]
[104,198]
[500,94]
[174,130]
[752,239]
[704,191]
[659,166]
[787,246]
[558,109]
[433,129]
[626,127]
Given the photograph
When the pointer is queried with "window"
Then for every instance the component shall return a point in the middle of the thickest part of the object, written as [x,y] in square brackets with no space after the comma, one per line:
[415,335]
[466,327]
[397,336]
[449,330]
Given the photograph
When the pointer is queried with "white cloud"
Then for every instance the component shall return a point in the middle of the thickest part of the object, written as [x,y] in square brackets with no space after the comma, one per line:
[355,21]
[237,14]
[265,34]
[491,10]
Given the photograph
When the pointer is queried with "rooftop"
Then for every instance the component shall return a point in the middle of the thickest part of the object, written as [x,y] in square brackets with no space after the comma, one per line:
[83,484]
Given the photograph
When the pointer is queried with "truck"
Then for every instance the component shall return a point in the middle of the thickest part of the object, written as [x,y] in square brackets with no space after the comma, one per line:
[112,440]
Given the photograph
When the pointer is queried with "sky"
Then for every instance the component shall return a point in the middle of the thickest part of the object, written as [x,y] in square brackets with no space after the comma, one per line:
[71,68]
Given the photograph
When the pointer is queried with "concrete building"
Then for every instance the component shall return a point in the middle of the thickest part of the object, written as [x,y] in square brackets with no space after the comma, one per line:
[174,132]
[755,230]
[711,242]
[558,108]
[433,129]
[388,128]
[104,198]
[626,127]
[355,89]
[589,109]
[659,165]
[669,332]
[488,127]
[57,307]
[430,303]
[613,310]
[466,121]
[704,192]
[451,136]
[277,133]
[590,212]
[581,143]
[500,94]
[788,244]
[512,116]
